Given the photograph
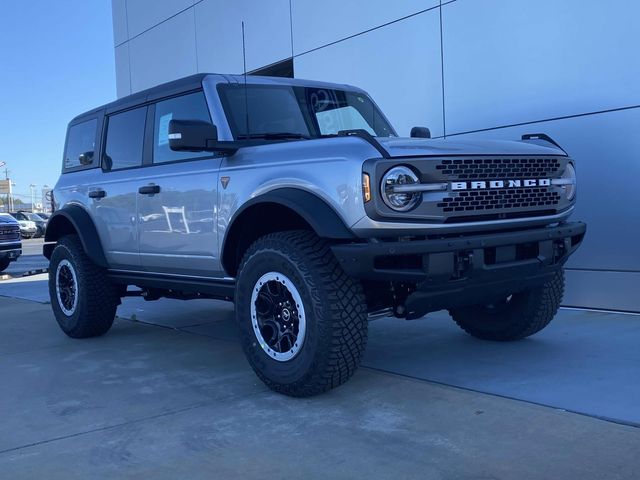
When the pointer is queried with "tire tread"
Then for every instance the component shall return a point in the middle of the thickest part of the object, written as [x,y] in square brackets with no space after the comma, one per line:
[537,308]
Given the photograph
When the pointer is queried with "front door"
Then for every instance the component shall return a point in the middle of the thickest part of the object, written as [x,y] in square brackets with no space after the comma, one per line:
[177,206]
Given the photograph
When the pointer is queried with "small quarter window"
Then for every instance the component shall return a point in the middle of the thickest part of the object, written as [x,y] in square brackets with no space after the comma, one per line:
[81,141]
[125,135]
[187,107]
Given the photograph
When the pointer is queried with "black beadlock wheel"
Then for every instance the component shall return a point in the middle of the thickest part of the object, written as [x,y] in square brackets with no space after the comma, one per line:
[515,317]
[83,299]
[303,322]
[4,264]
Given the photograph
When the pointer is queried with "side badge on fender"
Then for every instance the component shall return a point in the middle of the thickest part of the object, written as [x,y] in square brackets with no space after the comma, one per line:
[224,181]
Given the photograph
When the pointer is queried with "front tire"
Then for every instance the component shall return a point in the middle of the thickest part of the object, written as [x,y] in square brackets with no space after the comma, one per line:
[303,322]
[4,264]
[83,299]
[517,316]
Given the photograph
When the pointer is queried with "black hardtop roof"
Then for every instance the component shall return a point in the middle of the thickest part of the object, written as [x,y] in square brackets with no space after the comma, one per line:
[192,82]
[175,87]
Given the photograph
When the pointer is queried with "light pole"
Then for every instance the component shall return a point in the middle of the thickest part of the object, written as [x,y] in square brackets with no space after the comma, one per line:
[45,188]
[6,174]
[33,195]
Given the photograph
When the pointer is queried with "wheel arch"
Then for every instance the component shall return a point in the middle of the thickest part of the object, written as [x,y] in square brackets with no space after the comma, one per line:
[278,210]
[73,219]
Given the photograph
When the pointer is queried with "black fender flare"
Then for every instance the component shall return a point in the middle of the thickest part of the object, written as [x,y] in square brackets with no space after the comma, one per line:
[314,210]
[74,219]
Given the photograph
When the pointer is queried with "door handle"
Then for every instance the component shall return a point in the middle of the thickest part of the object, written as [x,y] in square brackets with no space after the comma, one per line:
[98,193]
[149,189]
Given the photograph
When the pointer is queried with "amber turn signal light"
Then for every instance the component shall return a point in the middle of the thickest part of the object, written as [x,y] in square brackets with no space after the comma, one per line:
[366,187]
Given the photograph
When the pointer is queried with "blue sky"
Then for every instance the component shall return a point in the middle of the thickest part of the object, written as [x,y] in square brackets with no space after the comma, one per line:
[56,61]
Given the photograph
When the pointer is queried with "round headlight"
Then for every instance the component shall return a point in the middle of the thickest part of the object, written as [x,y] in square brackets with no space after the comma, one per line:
[392,192]
[569,176]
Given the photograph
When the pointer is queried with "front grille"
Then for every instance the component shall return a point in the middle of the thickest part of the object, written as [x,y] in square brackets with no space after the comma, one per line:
[499,168]
[487,200]
[479,188]
[9,233]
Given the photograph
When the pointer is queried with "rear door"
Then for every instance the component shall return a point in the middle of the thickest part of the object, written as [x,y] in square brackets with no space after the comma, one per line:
[177,214]
[114,196]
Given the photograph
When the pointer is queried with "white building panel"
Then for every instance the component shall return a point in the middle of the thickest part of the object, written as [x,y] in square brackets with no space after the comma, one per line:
[399,65]
[316,24]
[509,61]
[164,53]
[602,289]
[119,16]
[145,14]
[219,33]
[123,79]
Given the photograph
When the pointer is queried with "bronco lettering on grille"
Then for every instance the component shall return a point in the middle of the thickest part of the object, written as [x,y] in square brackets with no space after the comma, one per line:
[482,184]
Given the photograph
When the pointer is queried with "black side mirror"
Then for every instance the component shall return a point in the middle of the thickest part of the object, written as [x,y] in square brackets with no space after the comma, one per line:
[420,132]
[196,136]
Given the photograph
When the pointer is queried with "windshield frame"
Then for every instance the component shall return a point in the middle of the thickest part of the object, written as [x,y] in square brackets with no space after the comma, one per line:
[309,116]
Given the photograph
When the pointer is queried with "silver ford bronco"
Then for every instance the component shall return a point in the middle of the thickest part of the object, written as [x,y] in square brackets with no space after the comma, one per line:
[297,201]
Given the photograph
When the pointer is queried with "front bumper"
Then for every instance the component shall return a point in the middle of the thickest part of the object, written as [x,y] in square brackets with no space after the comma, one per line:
[463,270]
[10,250]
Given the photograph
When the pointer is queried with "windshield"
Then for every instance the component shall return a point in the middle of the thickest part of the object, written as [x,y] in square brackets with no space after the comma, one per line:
[34,217]
[285,111]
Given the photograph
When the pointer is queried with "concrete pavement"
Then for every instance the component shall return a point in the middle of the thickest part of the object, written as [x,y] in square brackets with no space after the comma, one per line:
[177,399]
[151,402]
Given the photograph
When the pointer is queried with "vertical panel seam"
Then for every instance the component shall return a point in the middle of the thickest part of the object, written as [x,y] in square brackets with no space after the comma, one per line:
[195,37]
[444,122]
[126,18]
[291,28]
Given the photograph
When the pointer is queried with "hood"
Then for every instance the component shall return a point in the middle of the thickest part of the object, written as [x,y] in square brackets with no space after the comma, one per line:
[421,147]
[5,218]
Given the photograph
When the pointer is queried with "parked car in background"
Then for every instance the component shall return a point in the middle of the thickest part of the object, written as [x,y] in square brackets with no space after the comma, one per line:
[44,216]
[28,229]
[41,223]
[10,244]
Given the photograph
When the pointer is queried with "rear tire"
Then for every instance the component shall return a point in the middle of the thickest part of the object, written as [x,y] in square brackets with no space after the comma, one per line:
[4,264]
[83,299]
[518,316]
[294,276]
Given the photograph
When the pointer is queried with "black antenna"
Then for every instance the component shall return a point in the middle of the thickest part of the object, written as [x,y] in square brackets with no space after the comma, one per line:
[244,66]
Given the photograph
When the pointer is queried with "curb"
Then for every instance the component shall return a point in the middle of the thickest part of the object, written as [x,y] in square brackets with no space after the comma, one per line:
[37,271]
[29,273]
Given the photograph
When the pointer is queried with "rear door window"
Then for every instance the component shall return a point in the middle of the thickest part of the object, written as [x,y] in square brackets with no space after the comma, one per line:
[186,107]
[125,139]
[81,142]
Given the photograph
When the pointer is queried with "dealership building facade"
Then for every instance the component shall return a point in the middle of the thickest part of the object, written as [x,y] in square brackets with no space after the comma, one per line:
[464,68]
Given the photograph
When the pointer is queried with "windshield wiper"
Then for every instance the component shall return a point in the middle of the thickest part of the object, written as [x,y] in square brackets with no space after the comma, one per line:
[273,136]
